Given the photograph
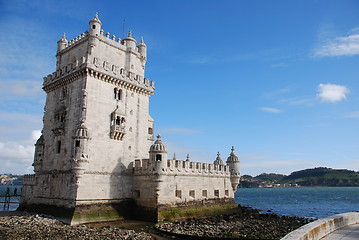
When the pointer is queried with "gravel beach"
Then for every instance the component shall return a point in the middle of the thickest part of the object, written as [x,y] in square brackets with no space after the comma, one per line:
[246,224]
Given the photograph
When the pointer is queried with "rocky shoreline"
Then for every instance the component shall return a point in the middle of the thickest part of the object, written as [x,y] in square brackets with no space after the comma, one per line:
[26,226]
[247,223]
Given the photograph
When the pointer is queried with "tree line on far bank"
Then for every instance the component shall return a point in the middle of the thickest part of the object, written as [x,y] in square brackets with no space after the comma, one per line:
[320,176]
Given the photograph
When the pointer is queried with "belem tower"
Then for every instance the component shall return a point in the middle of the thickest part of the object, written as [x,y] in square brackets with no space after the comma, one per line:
[96,159]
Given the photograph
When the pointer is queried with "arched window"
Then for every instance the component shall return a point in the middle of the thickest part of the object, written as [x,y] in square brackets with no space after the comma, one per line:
[118,121]
[115,93]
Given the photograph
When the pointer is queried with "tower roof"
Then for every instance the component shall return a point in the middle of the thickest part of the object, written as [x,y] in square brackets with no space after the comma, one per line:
[218,160]
[232,156]
[158,146]
[96,19]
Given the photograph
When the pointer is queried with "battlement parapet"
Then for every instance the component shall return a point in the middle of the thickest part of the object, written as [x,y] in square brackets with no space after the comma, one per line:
[117,75]
[145,166]
[29,179]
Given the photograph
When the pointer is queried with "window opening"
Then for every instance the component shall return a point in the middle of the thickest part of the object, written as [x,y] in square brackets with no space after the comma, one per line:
[77,143]
[158,157]
[204,193]
[178,193]
[226,193]
[58,147]
[119,95]
[115,93]
[93,26]
[191,193]
[216,193]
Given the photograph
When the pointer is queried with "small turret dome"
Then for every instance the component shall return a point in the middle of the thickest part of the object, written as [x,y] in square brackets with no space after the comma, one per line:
[62,43]
[158,146]
[95,26]
[129,41]
[95,19]
[218,160]
[232,157]
[81,131]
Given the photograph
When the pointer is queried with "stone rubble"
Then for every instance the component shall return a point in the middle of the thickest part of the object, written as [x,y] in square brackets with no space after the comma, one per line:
[31,226]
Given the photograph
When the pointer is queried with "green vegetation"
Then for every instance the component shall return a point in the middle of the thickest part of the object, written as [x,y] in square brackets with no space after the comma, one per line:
[178,213]
[320,176]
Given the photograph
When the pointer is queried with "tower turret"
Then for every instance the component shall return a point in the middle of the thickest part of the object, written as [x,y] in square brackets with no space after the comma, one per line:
[142,49]
[218,160]
[62,43]
[95,26]
[233,163]
[130,42]
[158,155]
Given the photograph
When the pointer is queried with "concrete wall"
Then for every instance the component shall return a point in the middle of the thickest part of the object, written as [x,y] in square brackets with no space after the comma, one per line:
[322,227]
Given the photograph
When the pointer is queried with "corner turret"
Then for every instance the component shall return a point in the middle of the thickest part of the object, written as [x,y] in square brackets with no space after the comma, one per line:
[130,42]
[158,155]
[62,43]
[95,26]
[233,163]
[142,49]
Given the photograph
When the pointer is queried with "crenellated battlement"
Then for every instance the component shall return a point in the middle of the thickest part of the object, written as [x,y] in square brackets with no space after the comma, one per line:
[29,179]
[183,167]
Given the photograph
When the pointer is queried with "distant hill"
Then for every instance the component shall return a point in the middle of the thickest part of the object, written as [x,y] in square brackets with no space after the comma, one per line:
[320,176]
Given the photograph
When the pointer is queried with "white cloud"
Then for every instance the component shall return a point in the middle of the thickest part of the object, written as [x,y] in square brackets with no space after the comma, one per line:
[271,110]
[16,156]
[340,46]
[353,115]
[332,92]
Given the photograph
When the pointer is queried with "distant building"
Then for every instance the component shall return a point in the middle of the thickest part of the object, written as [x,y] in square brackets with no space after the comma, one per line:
[96,159]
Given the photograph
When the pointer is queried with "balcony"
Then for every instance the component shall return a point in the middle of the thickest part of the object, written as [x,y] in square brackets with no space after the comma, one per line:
[117,132]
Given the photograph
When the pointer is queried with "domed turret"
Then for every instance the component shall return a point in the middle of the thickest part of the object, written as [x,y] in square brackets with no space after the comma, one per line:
[95,26]
[142,49]
[218,160]
[158,146]
[233,163]
[62,43]
[158,155]
[130,42]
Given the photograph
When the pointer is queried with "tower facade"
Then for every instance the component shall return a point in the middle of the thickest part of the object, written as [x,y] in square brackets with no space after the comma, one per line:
[95,160]
[96,122]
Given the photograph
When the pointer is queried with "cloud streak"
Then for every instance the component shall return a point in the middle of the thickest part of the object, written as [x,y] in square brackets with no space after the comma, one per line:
[270,110]
[340,46]
[332,92]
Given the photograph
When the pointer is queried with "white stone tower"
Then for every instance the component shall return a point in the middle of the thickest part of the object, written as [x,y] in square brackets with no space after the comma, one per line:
[233,163]
[96,123]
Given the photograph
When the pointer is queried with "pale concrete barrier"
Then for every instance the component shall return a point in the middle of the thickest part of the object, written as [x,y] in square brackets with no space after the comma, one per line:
[322,227]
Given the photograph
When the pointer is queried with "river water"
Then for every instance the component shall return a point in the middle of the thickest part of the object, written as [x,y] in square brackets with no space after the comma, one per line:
[313,202]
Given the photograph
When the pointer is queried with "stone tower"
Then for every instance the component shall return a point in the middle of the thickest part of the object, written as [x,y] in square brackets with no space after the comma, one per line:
[233,163]
[96,123]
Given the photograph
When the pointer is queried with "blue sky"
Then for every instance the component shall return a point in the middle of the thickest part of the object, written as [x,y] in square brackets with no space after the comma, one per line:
[278,80]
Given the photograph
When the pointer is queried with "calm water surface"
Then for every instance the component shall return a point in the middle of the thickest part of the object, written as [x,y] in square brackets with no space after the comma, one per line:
[314,202]
[13,206]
